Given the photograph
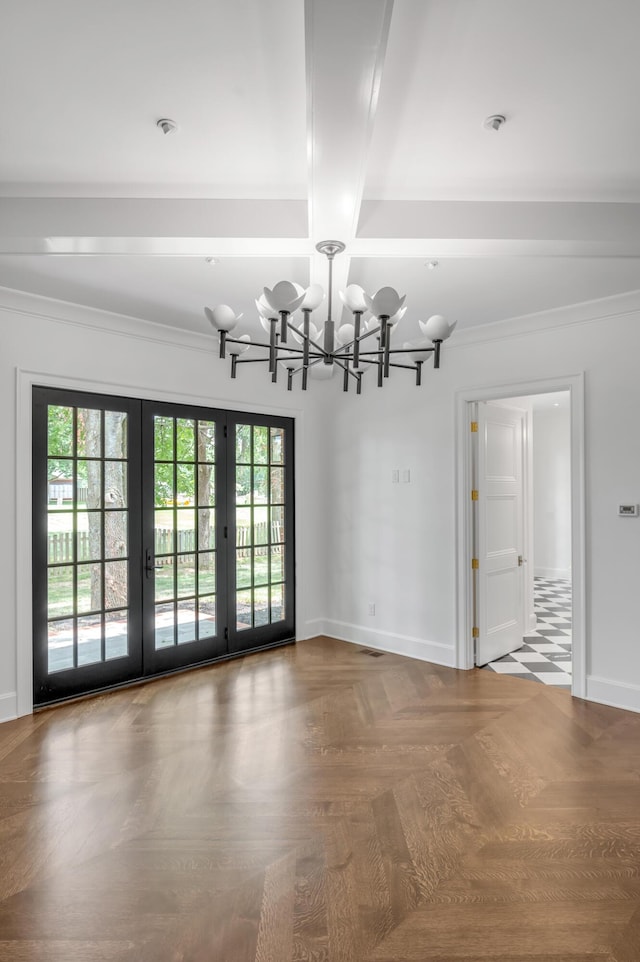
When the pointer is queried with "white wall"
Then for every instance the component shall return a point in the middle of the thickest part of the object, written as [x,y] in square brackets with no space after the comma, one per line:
[362,538]
[552,492]
[395,545]
[52,343]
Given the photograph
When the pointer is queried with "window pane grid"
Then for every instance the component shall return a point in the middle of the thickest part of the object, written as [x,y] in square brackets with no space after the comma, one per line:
[260,497]
[184,499]
[81,542]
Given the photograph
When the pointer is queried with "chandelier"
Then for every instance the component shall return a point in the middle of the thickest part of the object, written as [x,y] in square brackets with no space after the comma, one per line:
[353,348]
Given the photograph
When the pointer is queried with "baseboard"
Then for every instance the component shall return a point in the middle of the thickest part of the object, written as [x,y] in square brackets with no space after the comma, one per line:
[8,706]
[420,648]
[553,574]
[311,628]
[618,694]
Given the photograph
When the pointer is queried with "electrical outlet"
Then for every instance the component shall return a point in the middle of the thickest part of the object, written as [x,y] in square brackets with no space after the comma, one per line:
[406,476]
[395,476]
[372,608]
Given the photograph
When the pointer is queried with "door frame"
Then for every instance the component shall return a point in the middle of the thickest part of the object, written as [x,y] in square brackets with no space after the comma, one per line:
[26,380]
[573,383]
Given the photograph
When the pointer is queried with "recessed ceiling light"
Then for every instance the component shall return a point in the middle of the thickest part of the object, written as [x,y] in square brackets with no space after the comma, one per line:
[494,122]
[211,260]
[166,126]
[431,265]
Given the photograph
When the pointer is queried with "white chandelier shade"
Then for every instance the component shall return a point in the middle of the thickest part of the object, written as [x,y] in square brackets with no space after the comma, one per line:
[323,349]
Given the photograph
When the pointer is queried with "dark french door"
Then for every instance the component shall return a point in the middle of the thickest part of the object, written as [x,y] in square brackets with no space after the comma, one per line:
[162,538]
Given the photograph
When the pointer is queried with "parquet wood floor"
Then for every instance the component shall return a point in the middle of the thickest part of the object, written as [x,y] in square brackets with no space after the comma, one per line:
[315,804]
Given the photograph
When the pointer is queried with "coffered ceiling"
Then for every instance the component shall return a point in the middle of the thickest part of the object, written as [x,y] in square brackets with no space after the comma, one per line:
[302,120]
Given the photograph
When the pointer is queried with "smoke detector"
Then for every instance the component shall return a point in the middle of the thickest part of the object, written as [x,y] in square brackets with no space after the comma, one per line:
[494,122]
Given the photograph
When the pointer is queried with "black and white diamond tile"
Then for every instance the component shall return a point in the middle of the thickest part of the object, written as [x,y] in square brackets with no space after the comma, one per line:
[545,656]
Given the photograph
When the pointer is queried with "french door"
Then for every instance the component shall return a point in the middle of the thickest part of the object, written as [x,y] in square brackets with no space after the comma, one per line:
[162,538]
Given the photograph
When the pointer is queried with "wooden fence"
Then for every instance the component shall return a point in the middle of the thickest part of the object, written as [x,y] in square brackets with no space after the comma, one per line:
[61,542]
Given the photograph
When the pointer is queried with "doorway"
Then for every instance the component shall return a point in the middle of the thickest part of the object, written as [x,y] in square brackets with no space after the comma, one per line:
[537,644]
[557,623]
[162,538]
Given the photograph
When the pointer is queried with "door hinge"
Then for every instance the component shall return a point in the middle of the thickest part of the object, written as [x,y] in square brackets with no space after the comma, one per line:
[226,531]
[474,427]
[226,634]
[475,632]
[475,564]
[474,495]
[224,435]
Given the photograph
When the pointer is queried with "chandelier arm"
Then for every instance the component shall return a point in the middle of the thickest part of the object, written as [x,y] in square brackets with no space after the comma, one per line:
[358,341]
[345,367]
[307,337]
[250,360]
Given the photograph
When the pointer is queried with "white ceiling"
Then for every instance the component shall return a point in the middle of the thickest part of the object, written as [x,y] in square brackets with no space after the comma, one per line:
[298,121]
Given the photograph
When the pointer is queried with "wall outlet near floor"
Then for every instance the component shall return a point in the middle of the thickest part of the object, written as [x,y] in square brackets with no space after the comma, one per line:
[372,608]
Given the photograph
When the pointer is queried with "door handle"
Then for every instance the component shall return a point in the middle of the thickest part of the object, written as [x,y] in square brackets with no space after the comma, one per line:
[149,566]
[520,560]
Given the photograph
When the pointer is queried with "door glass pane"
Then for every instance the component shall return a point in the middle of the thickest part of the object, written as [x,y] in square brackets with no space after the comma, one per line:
[243,484]
[187,621]
[206,529]
[60,645]
[185,439]
[165,625]
[261,606]
[164,533]
[115,484]
[89,535]
[61,594]
[89,640]
[244,609]
[163,489]
[60,431]
[260,445]
[116,634]
[277,563]
[277,446]
[243,526]
[164,579]
[261,566]
[260,485]
[116,534]
[206,441]
[163,439]
[277,485]
[115,435]
[207,617]
[186,484]
[89,432]
[243,568]
[89,594]
[186,575]
[261,526]
[206,485]
[243,444]
[116,586]
[206,572]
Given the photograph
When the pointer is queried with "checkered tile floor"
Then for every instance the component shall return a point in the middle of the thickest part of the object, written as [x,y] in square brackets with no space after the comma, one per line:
[546,653]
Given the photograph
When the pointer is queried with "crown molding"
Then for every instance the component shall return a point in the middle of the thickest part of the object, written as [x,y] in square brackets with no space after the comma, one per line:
[69,313]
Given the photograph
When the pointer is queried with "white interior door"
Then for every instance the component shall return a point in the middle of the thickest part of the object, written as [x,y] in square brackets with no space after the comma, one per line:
[499,531]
